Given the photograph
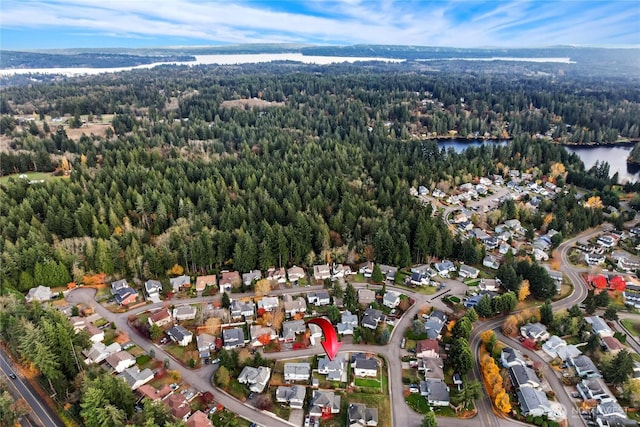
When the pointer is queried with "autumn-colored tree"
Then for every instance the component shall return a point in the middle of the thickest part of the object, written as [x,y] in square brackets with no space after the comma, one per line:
[487,336]
[212,325]
[557,169]
[264,339]
[278,319]
[594,202]
[524,291]
[176,270]
[243,356]
[262,287]
[94,280]
[502,402]
[510,325]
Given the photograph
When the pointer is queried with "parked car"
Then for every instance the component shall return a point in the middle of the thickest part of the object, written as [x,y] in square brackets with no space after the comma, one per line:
[403,344]
[12,376]
[306,421]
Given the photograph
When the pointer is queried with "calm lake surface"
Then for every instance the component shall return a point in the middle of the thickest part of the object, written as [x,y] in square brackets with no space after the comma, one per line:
[615,155]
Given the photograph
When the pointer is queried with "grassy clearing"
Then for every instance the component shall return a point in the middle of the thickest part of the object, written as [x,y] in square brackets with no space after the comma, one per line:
[632,327]
[225,418]
[367,382]
[31,176]
[418,403]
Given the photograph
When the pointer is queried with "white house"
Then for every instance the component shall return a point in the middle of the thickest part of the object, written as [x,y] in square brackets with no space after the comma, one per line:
[324,402]
[184,312]
[39,293]
[152,289]
[135,377]
[535,331]
[180,335]
[297,371]
[294,395]
[391,299]
[256,378]
[437,392]
[491,262]
[319,298]
[599,326]
[365,368]
[233,338]
[268,303]
[321,272]
[180,282]
[120,361]
[294,306]
[466,271]
[511,357]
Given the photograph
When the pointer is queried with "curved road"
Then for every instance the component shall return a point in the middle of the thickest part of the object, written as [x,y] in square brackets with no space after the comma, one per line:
[402,414]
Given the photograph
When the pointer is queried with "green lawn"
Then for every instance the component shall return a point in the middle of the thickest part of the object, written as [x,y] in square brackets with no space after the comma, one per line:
[418,403]
[31,176]
[632,327]
[225,418]
[367,382]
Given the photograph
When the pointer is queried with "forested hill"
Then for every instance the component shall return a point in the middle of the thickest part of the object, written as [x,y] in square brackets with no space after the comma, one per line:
[249,167]
[16,59]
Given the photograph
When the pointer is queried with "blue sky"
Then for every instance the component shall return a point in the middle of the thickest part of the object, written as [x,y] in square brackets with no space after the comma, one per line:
[47,24]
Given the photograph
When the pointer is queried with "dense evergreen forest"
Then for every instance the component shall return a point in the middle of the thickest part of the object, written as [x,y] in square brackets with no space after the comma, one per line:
[277,164]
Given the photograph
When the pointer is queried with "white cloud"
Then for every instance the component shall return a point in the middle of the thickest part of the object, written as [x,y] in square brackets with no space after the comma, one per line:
[345,22]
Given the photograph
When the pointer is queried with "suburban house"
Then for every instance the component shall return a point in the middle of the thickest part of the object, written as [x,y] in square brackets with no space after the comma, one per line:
[297,372]
[118,285]
[612,345]
[434,326]
[389,272]
[557,347]
[533,402]
[293,328]
[319,298]
[126,296]
[199,419]
[584,366]
[278,275]
[365,368]
[250,277]
[178,406]
[444,268]
[153,393]
[468,272]
[599,326]
[296,273]
[228,280]
[427,348]
[203,281]
[511,357]
[120,361]
[294,396]
[39,293]
[232,338]
[261,335]
[99,352]
[391,299]
[324,403]
[184,312]
[594,258]
[95,334]
[333,369]
[522,376]
[160,318]
[268,303]
[491,262]
[366,269]
[437,392]
[321,272]
[256,378]
[239,309]
[371,318]
[347,323]
[180,335]
[205,343]
[135,377]
[534,331]
[180,282]
[366,296]
[627,263]
[358,415]
[152,289]
[431,367]
[340,271]
[594,389]
[420,279]
[294,306]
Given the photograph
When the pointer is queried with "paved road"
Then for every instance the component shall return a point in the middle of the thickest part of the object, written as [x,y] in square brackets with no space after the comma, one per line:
[41,415]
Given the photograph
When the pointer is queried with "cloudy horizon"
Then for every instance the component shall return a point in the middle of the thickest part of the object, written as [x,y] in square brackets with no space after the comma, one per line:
[49,24]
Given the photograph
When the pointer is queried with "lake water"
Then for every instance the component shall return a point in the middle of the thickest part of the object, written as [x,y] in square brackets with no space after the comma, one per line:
[615,155]
[251,59]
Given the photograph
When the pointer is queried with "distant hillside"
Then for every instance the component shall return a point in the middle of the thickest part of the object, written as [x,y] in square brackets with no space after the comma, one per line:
[93,59]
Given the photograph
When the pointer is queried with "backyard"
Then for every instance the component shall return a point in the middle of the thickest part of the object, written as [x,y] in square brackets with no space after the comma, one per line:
[632,326]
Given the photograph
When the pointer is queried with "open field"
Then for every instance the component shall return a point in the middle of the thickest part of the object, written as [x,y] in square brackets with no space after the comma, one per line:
[632,327]
[31,176]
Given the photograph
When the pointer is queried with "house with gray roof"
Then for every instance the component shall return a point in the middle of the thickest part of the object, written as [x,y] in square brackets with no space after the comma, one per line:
[523,376]
[599,326]
[232,338]
[535,331]
[293,396]
[180,282]
[391,299]
[135,377]
[324,402]
[294,306]
[319,298]
[371,318]
[594,389]
[297,371]
[292,328]
[431,367]
[250,277]
[584,366]
[335,369]
[389,272]
[511,357]
[152,289]
[467,271]
[366,296]
[437,392]
[365,368]
[184,312]
[205,343]
[533,402]
[180,335]
[255,378]
[358,415]
[268,303]
[39,293]
[347,324]
[239,309]
[118,285]
[557,347]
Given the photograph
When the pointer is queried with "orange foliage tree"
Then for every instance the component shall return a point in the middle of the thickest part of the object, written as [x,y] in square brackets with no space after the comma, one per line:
[503,403]
[94,280]
[510,325]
